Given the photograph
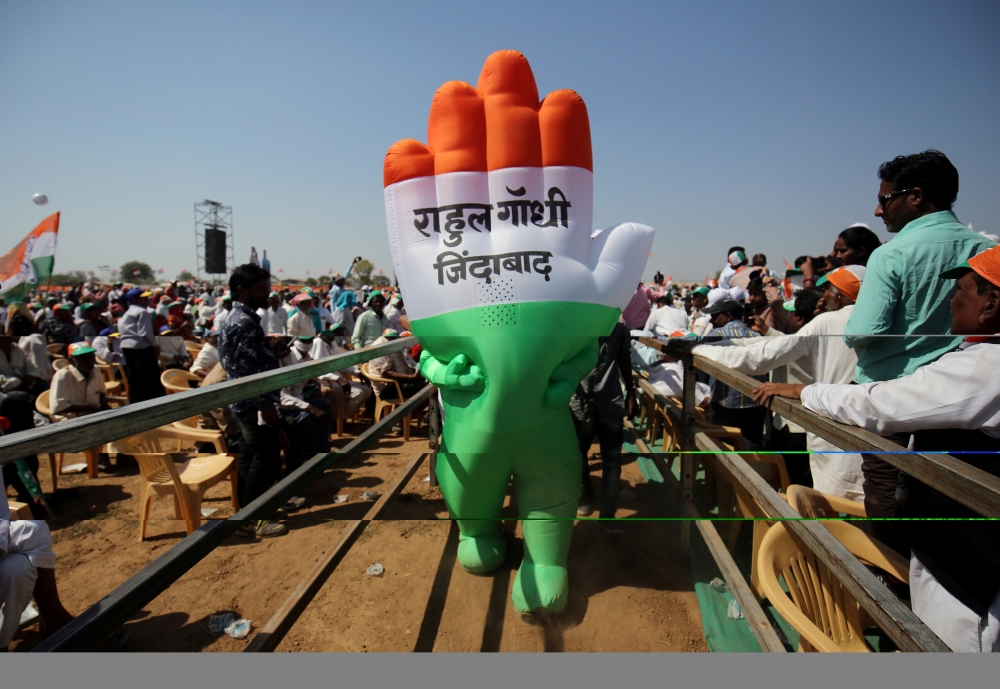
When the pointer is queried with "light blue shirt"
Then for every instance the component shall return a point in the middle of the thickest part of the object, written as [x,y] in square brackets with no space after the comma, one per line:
[136,328]
[903,295]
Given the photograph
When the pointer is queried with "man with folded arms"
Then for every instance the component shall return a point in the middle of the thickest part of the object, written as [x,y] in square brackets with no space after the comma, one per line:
[951,405]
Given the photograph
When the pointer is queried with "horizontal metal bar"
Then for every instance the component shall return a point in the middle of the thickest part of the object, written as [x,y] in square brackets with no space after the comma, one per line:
[93,430]
[268,638]
[896,619]
[101,619]
[973,487]
[760,625]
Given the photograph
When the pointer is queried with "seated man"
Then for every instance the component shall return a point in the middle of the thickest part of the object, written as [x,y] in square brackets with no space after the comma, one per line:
[107,345]
[60,328]
[666,320]
[304,412]
[950,406]
[27,569]
[394,367]
[208,356]
[173,352]
[77,389]
[16,372]
[340,385]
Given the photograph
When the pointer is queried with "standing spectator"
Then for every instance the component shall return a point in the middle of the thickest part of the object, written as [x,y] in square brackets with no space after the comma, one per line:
[138,345]
[637,312]
[730,269]
[370,324]
[598,408]
[223,311]
[244,351]
[854,246]
[273,317]
[902,308]
[343,311]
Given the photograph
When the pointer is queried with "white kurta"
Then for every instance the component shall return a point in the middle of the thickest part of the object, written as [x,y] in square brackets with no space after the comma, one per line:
[959,390]
[666,320]
[25,546]
[816,353]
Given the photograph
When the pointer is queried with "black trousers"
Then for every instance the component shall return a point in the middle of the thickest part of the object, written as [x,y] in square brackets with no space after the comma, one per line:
[143,371]
[260,461]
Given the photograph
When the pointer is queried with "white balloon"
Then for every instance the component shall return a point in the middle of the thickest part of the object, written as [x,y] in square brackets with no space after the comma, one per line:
[40,199]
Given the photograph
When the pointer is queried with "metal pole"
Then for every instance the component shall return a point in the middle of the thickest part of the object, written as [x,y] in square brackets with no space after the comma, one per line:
[687,446]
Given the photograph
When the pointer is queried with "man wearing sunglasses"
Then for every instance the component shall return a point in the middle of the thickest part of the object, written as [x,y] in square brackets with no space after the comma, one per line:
[901,319]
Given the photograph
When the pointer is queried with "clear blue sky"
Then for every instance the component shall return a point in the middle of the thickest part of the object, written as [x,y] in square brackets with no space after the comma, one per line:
[717,123]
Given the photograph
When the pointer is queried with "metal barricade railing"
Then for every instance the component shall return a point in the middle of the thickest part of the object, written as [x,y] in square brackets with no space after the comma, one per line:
[968,485]
[102,618]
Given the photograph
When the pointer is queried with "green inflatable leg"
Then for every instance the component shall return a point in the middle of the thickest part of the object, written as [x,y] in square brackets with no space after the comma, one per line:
[506,382]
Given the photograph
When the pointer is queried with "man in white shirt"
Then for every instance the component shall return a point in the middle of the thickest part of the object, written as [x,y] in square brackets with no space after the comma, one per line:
[666,319]
[354,394]
[27,570]
[173,351]
[77,389]
[16,371]
[393,367]
[300,323]
[208,355]
[274,317]
[821,356]
[108,347]
[951,405]
[226,302]
[304,411]
[393,312]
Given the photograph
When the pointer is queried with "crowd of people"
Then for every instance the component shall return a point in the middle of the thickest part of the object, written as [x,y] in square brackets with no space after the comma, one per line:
[248,328]
[900,339]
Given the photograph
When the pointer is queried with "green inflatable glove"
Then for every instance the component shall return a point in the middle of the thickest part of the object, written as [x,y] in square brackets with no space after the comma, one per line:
[508,290]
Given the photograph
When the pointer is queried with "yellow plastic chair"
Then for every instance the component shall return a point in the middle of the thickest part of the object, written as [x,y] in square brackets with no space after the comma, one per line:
[115,380]
[164,470]
[56,458]
[19,511]
[192,348]
[57,351]
[115,388]
[176,380]
[815,504]
[817,605]
[387,406]
[59,364]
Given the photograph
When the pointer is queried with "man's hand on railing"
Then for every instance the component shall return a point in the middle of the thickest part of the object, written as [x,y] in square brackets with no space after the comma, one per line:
[766,392]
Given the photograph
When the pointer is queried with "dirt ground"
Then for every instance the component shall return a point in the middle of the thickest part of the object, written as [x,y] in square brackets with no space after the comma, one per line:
[630,592]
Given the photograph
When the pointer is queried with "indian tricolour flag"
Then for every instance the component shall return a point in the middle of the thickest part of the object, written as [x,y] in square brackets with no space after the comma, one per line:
[30,261]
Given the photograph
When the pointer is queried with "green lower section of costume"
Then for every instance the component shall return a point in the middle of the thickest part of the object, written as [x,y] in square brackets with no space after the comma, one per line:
[533,356]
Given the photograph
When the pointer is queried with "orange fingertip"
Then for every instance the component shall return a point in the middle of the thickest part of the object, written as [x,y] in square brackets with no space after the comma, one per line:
[456,129]
[407,159]
[565,130]
[511,99]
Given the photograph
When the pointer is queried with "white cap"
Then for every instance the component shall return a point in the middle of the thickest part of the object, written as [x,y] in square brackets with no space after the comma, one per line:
[717,294]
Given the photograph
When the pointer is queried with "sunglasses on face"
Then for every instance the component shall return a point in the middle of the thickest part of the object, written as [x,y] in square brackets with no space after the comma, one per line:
[883,201]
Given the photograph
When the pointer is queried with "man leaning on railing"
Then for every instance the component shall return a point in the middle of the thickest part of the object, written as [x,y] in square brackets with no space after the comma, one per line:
[950,406]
